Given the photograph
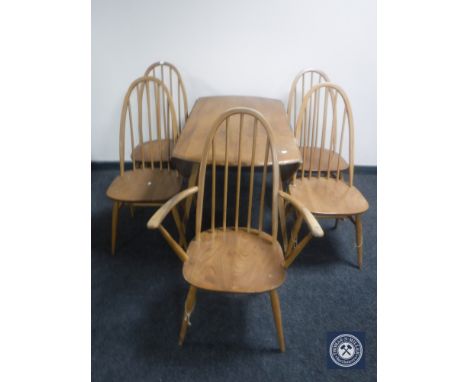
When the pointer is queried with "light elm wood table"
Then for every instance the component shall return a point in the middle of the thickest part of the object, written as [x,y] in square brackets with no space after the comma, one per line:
[189,146]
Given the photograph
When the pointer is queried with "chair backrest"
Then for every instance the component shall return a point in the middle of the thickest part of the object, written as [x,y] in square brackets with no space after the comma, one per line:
[303,82]
[324,132]
[170,76]
[239,131]
[142,120]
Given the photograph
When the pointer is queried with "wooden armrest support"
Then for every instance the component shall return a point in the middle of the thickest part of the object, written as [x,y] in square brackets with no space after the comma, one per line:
[158,217]
[311,222]
[179,251]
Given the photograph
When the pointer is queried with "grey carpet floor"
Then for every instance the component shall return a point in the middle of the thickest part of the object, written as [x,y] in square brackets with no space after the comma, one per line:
[138,298]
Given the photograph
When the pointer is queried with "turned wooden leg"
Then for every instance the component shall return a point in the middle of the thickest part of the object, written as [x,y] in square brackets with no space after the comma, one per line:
[115,223]
[189,306]
[282,220]
[275,305]
[192,181]
[359,239]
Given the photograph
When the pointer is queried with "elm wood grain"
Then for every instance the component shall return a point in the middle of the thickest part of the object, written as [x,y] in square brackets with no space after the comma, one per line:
[323,192]
[145,186]
[206,111]
[152,182]
[240,259]
[235,262]
[186,169]
[330,196]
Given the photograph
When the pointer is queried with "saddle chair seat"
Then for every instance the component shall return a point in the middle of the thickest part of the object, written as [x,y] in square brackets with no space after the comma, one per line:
[330,196]
[145,186]
[234,261]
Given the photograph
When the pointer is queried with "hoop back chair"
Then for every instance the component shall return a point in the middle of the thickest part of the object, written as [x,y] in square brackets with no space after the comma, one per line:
[321,132]
[239,252]
[303,82]
[154,181]
[170,76]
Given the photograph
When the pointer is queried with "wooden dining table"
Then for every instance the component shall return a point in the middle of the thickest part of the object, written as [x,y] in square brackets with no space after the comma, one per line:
[189,147]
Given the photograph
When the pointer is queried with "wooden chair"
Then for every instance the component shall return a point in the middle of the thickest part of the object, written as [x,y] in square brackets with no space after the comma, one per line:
[171,78]
[238,256]
[320,132]
[154,182]
[303,82]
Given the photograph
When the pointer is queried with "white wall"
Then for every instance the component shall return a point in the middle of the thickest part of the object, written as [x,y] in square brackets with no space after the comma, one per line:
[242,47]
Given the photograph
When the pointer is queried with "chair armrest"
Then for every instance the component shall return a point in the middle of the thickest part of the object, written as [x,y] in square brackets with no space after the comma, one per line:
[158,217]
[311,222]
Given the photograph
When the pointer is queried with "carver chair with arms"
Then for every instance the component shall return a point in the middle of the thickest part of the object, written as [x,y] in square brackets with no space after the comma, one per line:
[239,251]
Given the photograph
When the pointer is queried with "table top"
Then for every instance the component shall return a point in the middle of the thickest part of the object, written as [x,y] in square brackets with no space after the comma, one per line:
[206,110]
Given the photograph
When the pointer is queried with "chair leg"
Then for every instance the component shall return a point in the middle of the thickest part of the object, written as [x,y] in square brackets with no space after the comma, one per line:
[189,306]
[115,223]
[359,239]
[275,305]
[132,211]
[192,181]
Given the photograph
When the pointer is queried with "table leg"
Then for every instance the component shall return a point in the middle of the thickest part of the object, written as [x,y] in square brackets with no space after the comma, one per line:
[191,183]
[282,218]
